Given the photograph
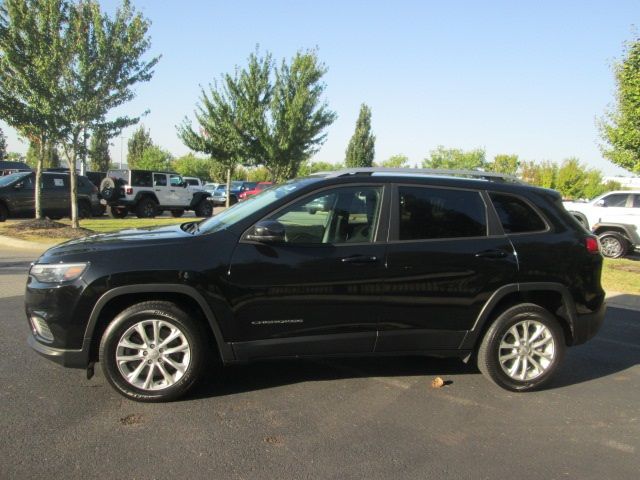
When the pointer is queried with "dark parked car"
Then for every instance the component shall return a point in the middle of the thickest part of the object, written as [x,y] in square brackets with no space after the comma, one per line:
[479,268]
[17,196]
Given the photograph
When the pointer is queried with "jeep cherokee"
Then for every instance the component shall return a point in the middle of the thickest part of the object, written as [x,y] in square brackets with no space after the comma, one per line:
[469,265]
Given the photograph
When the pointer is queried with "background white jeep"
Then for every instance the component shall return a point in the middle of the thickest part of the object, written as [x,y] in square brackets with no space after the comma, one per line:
[614,217]
[147,194]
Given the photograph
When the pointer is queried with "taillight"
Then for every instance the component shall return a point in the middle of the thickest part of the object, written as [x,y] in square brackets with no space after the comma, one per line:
[128,191]
[592,245]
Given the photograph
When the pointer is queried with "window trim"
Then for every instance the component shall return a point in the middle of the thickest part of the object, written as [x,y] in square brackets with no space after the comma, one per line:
[394,227]
[379,236]
[527,202]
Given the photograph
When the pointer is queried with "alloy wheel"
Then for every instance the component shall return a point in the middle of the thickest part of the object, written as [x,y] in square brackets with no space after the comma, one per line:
[526,350]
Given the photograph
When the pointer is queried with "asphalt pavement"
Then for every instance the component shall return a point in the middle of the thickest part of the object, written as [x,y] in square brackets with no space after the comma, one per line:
[345,418]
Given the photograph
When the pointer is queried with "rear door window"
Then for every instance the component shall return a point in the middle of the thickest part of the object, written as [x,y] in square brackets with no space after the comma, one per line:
[427,213]
[159,180]
[615,200]
[516,215]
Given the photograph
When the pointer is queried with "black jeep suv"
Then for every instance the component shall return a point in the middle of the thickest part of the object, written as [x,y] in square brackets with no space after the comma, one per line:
[17,196]
[469,265]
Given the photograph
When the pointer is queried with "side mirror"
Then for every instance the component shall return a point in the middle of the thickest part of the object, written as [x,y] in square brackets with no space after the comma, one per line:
[267,231]
[600,203]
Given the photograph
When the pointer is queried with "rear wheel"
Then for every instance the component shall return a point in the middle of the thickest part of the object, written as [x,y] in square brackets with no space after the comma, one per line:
[522,349]
[146,208]
[119,212]
[84,210]
[177,213]
[153,352]
[613,244]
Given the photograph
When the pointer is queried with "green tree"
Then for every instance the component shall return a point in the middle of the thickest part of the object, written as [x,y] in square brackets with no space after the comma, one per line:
[99,158]
[455,159]
[396,161]
[51,156]
[34,54]
[571,179]
[3,145]
[315,167]
[620,128]
[506,164]
[154,158]
[541,174]
[263,115]
[361,148]
[137,144]
[191,166]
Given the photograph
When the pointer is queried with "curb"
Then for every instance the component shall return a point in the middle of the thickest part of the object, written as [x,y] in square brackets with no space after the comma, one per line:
[24,244]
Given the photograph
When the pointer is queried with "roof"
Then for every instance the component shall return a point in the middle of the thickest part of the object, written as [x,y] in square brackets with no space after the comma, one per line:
[7,165]
[423,172]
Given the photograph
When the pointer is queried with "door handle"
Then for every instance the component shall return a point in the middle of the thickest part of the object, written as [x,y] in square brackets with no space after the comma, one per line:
[491,254]
[360,259]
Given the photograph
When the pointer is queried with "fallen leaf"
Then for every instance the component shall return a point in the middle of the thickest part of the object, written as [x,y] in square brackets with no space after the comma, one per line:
[437,383]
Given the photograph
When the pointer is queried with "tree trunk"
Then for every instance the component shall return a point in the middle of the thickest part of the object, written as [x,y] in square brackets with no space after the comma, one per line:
[74,192]
[228,186]
[38,185]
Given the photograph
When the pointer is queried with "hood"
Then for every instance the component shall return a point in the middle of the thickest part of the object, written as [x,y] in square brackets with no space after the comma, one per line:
[133,238]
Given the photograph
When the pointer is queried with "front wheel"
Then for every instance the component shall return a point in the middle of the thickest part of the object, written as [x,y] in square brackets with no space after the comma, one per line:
[522,349]
[146,208]
[153,352]
[204,208]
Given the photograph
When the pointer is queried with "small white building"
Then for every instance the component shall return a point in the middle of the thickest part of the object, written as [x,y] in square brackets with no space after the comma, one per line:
[626,182]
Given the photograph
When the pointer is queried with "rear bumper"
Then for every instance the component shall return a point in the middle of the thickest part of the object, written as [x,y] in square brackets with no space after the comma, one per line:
[67,358]
[587,325]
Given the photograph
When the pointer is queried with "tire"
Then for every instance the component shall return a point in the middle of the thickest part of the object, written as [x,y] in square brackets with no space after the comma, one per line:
[204,208]
[146,208]
[183,366]
[4,213]
[84,210]
[110,188]
[233,200]
[547,355]
[581,218]
[613,245]
[177,213]
[119,212]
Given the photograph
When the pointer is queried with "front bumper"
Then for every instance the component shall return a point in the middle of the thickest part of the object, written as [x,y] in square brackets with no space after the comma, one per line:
[67,358]
[587,324]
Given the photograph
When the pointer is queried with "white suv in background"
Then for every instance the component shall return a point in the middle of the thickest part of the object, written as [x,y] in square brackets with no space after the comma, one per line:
[614,217]
[194,184]
[148,194]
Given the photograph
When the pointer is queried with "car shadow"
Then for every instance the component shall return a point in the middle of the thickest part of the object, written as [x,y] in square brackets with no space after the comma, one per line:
[615,349]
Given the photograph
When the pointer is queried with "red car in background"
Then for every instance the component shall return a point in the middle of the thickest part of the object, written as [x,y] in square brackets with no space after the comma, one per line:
[256,190]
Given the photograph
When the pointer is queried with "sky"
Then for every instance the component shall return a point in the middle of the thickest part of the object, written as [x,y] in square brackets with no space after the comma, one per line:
[525,78]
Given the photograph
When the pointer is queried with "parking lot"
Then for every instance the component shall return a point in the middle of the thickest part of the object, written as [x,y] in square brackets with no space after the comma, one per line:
[340,418]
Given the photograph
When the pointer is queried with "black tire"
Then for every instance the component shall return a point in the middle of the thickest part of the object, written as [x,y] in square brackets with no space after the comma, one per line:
[168,313]
[111,188]
[177,213]
[4,213]
[84,210]
[146,208]
[499,331]
[613,245]
[581,218]
[119,212]
[204,208]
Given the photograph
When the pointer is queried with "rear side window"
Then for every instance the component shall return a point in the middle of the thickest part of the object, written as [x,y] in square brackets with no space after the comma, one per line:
[429,213]
[159,180]
[52,182]
[516,215]
[141,179]
[636,201]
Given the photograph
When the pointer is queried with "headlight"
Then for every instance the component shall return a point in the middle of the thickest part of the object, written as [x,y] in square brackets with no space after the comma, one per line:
[57,272]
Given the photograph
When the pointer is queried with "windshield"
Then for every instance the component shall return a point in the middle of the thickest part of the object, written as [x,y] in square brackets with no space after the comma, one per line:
[242,210]
[14,177]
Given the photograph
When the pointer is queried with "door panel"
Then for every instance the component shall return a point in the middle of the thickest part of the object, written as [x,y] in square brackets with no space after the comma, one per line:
[22,200]
[443,263]
[321,284]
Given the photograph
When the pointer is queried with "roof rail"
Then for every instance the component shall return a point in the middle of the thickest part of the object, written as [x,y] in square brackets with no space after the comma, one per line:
[490,176]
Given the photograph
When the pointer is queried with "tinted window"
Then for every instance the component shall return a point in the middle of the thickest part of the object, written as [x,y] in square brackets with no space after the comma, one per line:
[636,201]
[54,181]
[516,215]
[176,180]
[159,180]
[141,179]
[341,215]
[427,213]
[615,200]
[192,181]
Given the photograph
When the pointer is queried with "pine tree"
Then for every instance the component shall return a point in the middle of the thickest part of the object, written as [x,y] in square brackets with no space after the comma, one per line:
[361,149]
[137,144]
[99,151]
